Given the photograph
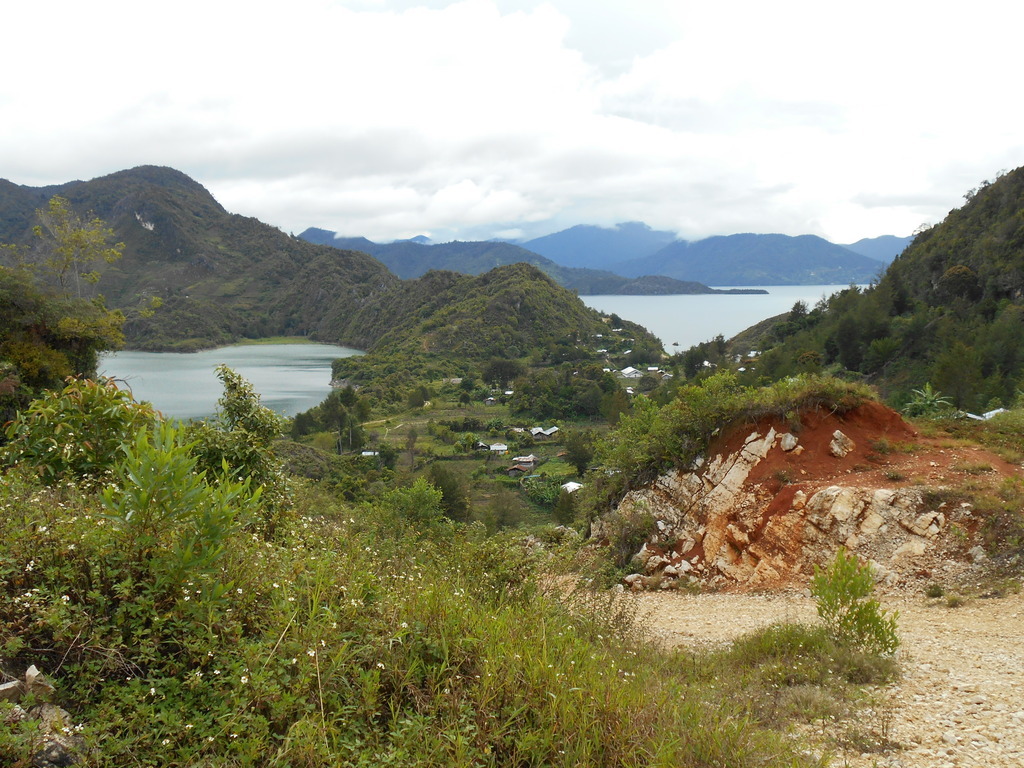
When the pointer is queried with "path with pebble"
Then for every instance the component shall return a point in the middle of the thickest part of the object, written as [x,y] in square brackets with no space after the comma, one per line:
[960,700]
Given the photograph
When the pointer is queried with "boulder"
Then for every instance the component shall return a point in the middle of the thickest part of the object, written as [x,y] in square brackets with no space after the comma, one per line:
[12,691]
[60,744]
[36,683]
[841,445]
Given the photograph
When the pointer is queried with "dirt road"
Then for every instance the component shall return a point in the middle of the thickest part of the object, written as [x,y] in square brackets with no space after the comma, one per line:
[960,701]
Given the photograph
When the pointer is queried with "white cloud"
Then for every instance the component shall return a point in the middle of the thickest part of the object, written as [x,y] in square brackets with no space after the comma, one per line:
[391,118]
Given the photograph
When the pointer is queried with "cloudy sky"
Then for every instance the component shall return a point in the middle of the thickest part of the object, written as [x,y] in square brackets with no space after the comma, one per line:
[516,118]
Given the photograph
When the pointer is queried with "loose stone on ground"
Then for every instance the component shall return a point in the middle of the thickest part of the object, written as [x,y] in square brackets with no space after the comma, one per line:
[959,702]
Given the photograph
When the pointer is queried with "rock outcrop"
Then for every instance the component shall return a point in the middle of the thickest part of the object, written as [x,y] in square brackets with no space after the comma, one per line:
[770,505]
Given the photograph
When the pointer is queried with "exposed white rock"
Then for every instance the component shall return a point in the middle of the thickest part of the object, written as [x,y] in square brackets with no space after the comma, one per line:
[912,547]
[12,691]
[841,445]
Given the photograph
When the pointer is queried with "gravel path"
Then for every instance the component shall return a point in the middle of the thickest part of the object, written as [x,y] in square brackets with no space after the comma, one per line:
[960,701]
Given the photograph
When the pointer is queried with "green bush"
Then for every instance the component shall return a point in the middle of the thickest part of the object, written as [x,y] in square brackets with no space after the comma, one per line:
[851,617]
[927,401]
[335,647]
[237,445]
[78,432]
[168,519]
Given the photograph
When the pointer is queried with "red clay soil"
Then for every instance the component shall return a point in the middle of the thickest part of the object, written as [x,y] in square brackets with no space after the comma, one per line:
[765,525]
[888,453]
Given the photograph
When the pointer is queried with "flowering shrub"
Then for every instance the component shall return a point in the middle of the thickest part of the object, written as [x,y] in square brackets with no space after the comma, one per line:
[77,432]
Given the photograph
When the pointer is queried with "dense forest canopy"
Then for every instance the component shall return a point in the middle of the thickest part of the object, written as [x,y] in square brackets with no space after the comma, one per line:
[949,311]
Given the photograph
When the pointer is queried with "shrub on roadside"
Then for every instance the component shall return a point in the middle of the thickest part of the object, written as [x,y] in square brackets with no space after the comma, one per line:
[851,616]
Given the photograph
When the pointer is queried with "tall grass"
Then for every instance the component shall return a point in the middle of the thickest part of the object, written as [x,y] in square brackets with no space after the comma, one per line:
[339,645]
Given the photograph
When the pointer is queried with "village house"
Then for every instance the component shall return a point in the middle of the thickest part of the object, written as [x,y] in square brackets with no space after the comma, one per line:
[530,460]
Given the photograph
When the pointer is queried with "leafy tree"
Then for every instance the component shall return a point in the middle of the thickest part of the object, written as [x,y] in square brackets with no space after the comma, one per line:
[46,337]
[565,508]
[388,455]
[848,342]
[237,445]
[500,371]
[418,396]
[418,507]
[72,246]
[647,384]
[957,371]
[77,433]
[614,405]
[959,282]
[579,449]
[454,492]
[339,413]
[410,445]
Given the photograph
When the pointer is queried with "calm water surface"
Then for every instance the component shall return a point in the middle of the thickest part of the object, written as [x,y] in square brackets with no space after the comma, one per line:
[295,377]
[689,320]
[289,377]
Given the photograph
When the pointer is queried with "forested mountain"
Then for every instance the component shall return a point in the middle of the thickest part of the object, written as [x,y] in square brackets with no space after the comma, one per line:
[221,276]
[411,259]
[949,311]
[600,247]
[750,259]
[446,324]
[884,248]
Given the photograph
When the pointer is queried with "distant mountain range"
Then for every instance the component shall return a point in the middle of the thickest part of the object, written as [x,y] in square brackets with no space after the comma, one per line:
[749,259]
[410,259]
[634,249]
[601,247]
[604,260]
[883,249]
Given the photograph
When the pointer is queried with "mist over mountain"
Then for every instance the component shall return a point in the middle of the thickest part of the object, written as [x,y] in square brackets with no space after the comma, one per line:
[601,247]
[884,248]
[410,259]
[751,259]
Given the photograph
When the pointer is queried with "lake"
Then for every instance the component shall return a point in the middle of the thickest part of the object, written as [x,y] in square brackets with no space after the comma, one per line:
[290,377]
[295,377]
[689,320]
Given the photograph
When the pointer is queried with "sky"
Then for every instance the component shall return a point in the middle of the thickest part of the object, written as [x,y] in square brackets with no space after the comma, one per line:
[470,120]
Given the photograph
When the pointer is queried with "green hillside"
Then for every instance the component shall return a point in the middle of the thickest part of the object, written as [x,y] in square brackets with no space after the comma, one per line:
[447,324]
[221,276]
[949,311]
